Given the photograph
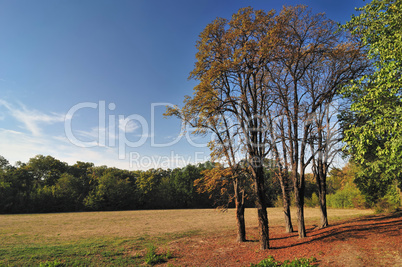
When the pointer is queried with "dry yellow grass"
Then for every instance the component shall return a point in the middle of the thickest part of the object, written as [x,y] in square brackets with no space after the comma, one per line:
[73,227]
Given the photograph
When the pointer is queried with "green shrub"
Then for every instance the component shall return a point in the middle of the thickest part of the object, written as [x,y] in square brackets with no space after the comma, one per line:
[300,262]
[348,197]
[391,201]
[313,201]
[270,262]
[279,201]
[393,195]
[152,258]
[382,206]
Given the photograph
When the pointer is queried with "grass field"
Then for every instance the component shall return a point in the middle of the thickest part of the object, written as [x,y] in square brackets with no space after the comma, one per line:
[119,238]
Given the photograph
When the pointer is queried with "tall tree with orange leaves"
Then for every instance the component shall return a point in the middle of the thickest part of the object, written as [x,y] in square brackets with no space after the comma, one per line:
[312,61]
[262,78]
[231,97]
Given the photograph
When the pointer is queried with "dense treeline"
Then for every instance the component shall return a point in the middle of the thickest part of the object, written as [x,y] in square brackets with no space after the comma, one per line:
[46,184]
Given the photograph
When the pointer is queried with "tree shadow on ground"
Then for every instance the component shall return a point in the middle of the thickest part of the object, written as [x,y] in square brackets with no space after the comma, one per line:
[389,224]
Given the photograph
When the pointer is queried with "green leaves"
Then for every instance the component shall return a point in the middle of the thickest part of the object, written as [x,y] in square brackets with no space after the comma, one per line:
[376,99]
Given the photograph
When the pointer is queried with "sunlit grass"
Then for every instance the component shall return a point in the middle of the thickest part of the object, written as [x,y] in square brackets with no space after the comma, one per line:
[119,238]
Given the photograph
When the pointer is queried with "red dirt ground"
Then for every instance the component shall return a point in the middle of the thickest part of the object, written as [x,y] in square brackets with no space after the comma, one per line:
[368,241]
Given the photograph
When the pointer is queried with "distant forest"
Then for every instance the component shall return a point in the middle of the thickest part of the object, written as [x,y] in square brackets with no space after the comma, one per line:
[46,184]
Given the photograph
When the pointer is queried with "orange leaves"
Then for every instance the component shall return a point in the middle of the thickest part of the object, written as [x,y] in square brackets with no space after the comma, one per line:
[226,46]
[216,178]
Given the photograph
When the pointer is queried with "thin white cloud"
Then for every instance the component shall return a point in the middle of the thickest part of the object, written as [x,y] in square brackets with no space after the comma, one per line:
[102,145]
[32,118]
[92,134]
[10,131]
[19,146]
[127,126]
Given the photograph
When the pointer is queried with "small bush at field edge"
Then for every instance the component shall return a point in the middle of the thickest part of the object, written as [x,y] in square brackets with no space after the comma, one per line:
[270,262]
[152,258]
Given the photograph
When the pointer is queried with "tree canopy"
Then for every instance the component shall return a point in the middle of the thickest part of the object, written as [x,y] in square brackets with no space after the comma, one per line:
[262,78]
[373,130]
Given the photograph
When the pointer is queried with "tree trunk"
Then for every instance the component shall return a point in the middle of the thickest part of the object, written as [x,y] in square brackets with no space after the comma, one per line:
[286,202]
[261,208]
[322,194]
[263,225]
[299,197]
[286,212]
[323,208]
[321,180]
[241,225]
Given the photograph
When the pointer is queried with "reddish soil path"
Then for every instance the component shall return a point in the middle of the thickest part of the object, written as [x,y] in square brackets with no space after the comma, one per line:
[368,241]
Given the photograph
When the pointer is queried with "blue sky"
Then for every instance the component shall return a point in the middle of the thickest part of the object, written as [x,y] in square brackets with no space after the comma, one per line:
[88,80]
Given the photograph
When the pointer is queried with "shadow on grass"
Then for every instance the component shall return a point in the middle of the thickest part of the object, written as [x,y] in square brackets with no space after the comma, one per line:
[350,229]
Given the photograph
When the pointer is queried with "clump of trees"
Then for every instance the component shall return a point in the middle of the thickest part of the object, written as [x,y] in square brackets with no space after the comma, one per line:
[266,85]
[46,184]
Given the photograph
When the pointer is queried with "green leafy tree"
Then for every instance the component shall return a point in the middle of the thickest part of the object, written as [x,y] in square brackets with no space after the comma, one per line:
[153,186]
[83,182]
[67,193]
[115,190]
[46,170]
[5,185]
[184,191]
[4,164]
[374,135]
[17,190]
